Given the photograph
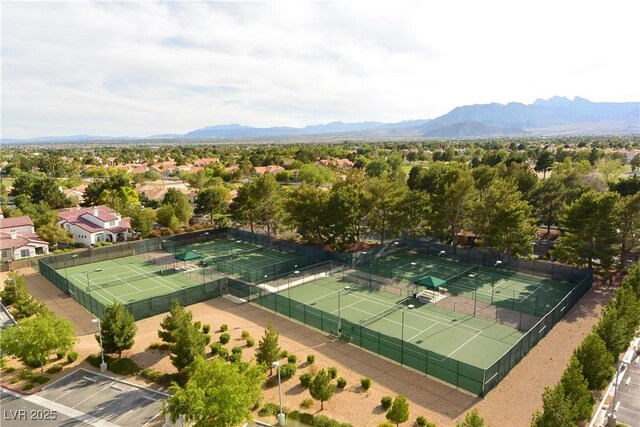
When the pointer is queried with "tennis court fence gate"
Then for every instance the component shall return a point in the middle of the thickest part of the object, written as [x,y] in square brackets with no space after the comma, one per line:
[459,374]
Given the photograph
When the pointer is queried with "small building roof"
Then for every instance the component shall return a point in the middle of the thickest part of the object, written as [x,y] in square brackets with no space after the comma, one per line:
[18,221]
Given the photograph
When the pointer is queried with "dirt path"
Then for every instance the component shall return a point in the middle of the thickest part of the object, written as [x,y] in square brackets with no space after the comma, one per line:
[511,403]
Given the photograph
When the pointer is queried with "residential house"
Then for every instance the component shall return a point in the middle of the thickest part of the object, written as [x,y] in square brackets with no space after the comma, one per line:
[18,239]
[261,170]
[207,161]
[95,224]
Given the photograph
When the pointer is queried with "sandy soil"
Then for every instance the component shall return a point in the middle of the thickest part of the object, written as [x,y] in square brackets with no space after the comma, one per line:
[511,403]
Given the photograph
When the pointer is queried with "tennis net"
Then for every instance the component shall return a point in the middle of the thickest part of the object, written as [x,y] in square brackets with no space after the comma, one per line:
[115,280]
[235,254]
[385,313]
[464,273]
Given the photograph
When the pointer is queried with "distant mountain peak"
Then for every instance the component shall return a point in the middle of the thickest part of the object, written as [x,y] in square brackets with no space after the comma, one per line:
[555,100]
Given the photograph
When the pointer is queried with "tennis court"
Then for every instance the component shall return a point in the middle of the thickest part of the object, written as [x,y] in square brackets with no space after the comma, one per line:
[507,289]
[129,279]
[468,339]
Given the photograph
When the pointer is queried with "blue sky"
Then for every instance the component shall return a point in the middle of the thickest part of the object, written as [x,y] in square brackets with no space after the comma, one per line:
[143,68]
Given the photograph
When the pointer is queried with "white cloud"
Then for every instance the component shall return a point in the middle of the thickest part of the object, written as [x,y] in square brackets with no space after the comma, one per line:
[140,68]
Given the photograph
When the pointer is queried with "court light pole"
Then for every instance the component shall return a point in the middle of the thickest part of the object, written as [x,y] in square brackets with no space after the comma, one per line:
[281,416]
[65,266]
[346,288]
[103,365]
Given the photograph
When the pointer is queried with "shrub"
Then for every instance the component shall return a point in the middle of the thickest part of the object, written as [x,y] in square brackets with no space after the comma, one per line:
[303,417]
[223,353]
[40,379]
[292,358]
[207,339]
[305,380]
[28,386]
[386,402]
[206,328]
[225,338]
[60,355]
[306,403]
[386,424]
[284,354]
[160,346]
[123,366]
[333,372]
[224,327]
[54,369]
[151,375]
[269,410]
[324,421]
[235,357]
[365,383]
[215,348]
[236,350]
[287,371]
[341,383]
[245,335]
[250,342]
[310,359]
[72,357]
[26,375]
[422,422]
[9,369]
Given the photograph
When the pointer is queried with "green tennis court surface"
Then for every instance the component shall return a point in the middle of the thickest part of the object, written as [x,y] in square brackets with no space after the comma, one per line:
[474,341]
[518,292]
[128,280]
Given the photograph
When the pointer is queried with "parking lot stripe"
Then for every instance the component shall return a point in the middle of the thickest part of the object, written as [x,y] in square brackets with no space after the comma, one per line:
[69,412]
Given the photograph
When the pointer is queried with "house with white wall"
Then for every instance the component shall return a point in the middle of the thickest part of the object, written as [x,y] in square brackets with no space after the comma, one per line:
[18,239]
[95,224]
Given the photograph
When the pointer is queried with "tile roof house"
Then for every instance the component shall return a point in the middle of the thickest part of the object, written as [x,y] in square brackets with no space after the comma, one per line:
[95,224]
[18,239]
[261,170]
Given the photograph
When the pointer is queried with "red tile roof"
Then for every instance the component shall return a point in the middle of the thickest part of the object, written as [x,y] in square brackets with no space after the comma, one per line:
[18,221]
[6,242]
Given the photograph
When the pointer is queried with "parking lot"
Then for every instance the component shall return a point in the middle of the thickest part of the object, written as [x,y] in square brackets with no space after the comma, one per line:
[98,397]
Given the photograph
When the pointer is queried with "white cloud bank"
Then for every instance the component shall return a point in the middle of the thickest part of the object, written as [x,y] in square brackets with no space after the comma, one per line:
[142,68]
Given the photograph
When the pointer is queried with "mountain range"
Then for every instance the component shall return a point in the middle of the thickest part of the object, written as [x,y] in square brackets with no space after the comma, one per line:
[554,116]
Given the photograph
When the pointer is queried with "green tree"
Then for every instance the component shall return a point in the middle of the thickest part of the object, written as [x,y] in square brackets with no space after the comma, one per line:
[384,204]
[118,329]
[472,419]
[266,196]
[590,230]
[544,162]
[268,350]
[213,201]
[142,221]
[343,214]
[55,235]
[556,409]
[306,209]
[217,394]
[321,387]
[171,322]
[166,217]
[243,207]
[15,287]
[595,360]
[399,411]
[190,343]
[314,175]
[576,392]
[180,202]
[629,225]
[548,198]
[33,340]
[48,190]
[504,220]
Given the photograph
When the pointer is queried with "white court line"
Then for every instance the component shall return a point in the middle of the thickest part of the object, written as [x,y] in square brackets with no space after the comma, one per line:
[423,331]
[463,344]
[427,316]
[387,319]
[98,291]
[157,280]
